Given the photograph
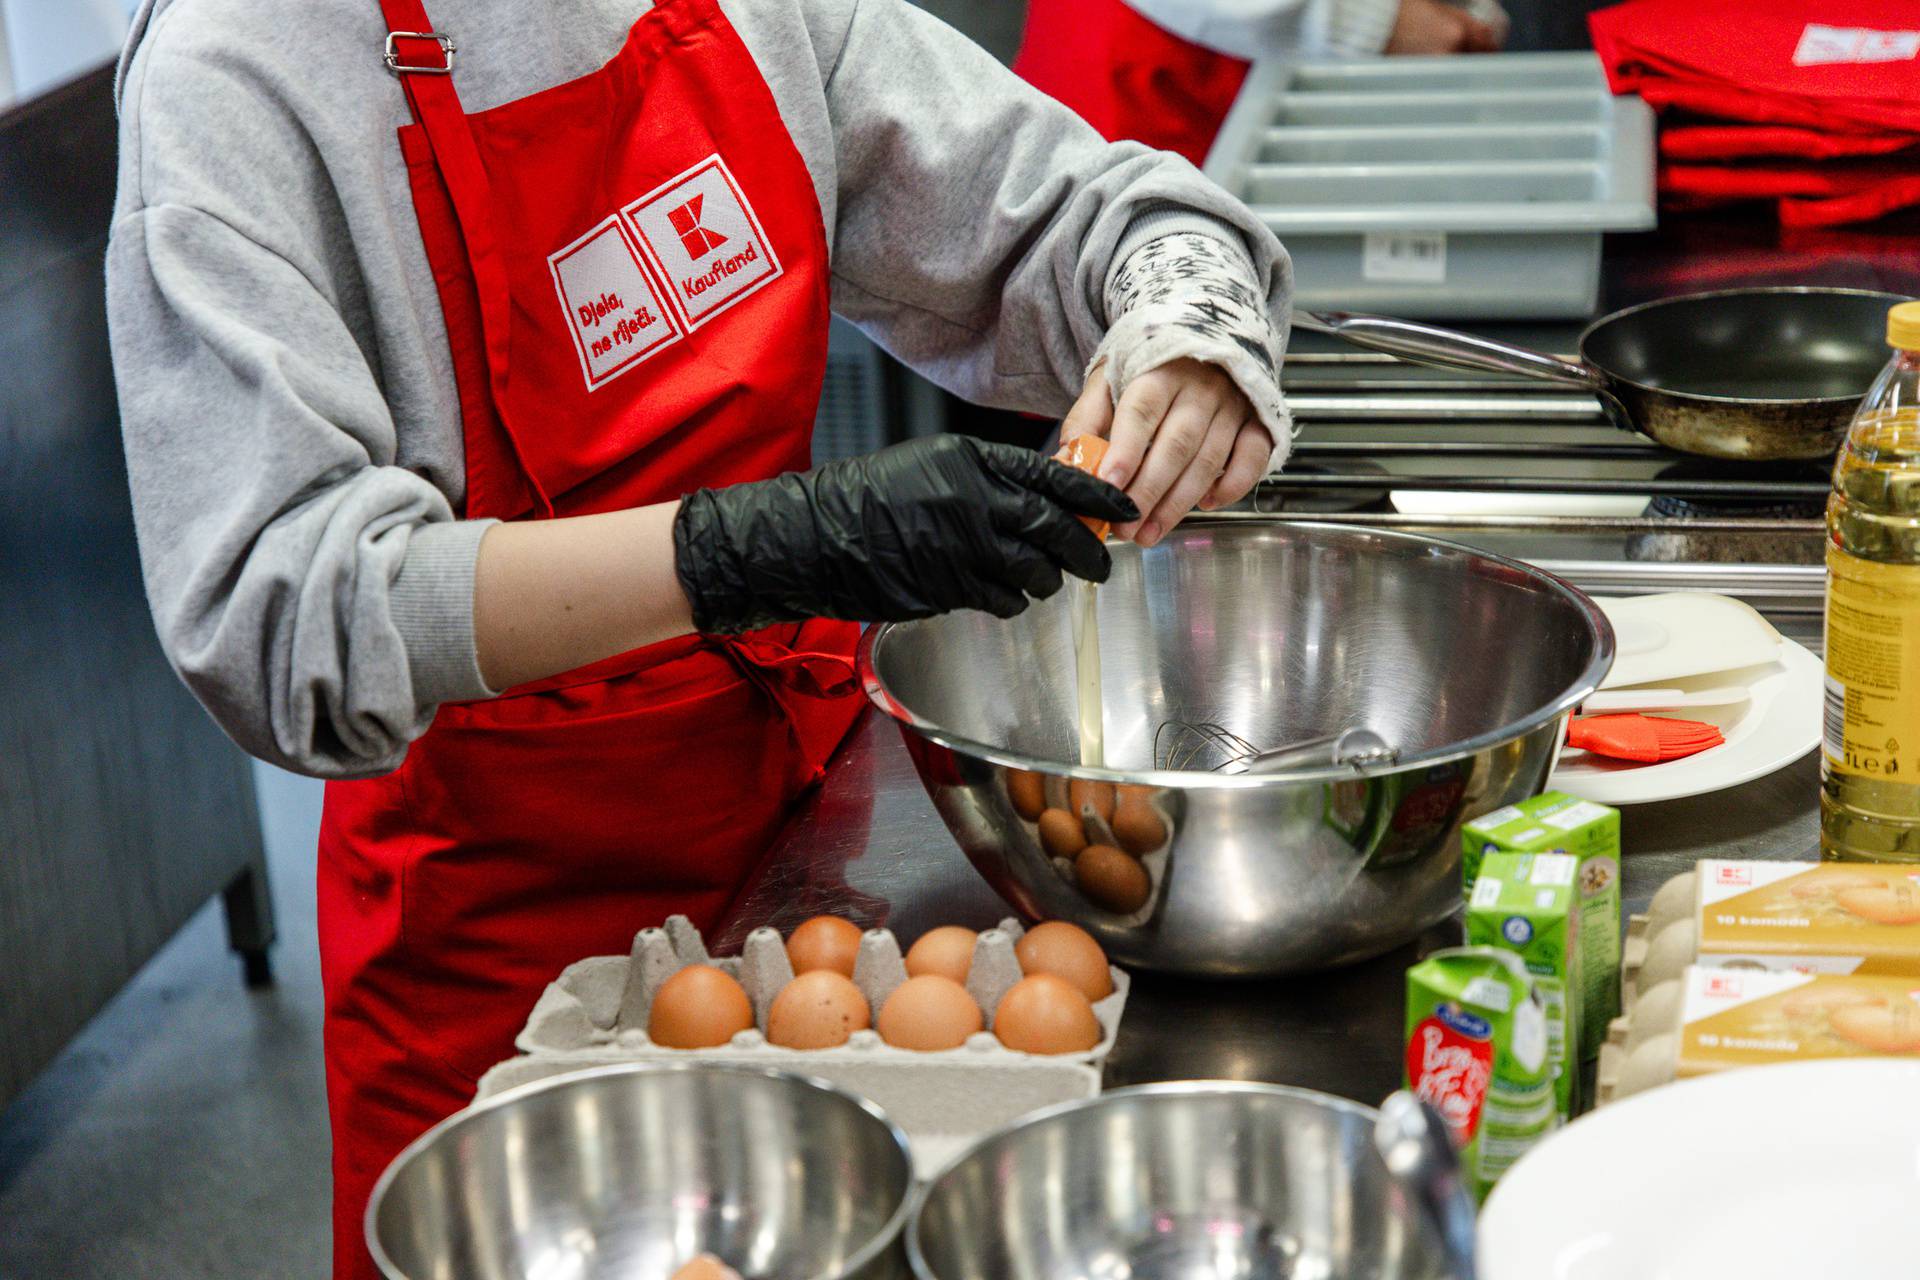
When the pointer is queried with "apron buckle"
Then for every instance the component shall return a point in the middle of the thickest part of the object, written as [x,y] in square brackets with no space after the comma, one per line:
[402,68]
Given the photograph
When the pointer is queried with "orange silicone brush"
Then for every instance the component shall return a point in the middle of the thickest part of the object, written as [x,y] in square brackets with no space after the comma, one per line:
[1648,739]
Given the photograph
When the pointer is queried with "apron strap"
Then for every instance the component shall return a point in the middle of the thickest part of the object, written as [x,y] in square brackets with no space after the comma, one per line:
[422,58]
[791,678]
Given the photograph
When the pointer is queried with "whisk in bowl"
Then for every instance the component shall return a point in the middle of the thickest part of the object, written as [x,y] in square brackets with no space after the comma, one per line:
[1208,746]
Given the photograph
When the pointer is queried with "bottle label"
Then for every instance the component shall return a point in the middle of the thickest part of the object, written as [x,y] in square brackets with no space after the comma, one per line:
[1871,727]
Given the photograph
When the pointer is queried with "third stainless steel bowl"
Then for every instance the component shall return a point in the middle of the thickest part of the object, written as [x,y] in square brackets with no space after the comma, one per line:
[1469,663]
[1175,1182]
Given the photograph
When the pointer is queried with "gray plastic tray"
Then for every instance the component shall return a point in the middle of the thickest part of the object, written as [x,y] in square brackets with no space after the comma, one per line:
[1463,188]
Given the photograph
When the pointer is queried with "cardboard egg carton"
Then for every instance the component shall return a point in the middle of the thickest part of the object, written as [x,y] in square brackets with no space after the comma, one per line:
[596,1013]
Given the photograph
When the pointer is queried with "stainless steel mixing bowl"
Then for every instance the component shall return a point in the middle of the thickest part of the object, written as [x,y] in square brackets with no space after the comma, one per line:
[631,1171]
[1168,1182]
[1468,663]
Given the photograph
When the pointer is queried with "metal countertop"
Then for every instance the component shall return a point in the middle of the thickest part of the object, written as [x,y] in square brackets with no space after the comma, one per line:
[868,845]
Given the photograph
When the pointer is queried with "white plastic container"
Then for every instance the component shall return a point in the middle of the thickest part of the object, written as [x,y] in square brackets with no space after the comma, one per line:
[1461,188]
[595,1014]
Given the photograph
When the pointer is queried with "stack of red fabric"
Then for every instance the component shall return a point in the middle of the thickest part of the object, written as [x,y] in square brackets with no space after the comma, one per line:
[1814,104]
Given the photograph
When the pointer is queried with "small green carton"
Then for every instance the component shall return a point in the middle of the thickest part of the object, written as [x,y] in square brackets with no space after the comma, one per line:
[1526,903]
[1477,1051]
[1560,823]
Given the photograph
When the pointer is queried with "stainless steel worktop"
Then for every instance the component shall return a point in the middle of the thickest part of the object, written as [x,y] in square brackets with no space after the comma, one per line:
[869,846]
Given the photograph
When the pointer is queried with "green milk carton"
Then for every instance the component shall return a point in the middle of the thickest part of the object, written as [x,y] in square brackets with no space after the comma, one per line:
[1477,1050]
[1527,903]
[1559,823]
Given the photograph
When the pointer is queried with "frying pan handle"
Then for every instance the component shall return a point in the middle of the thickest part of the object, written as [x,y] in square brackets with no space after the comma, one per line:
[1446,348]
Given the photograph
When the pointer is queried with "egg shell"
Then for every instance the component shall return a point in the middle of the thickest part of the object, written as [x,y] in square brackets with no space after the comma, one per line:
[824,942]
[1084,796]
[1046,1015]
[1112,879]
[1066,951]
[820,1009]
[929,1013]
[1061,833]
[1028,793]
[706,1267]
[947,951]
[1085,453]
[698,1008]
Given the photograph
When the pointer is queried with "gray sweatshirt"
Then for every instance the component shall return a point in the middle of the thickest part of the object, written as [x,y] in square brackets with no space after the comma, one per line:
[291,421]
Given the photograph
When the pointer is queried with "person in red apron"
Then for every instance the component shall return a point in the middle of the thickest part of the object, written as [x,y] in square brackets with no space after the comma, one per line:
[632,269]
[1165,72]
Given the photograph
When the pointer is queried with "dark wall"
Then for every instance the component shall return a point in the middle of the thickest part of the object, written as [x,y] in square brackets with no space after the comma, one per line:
[122,808]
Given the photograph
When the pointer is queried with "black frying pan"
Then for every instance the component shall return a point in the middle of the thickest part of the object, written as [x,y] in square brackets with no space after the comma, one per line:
[1753,374]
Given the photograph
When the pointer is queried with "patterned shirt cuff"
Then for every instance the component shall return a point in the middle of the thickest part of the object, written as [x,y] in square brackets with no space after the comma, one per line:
[1187,295]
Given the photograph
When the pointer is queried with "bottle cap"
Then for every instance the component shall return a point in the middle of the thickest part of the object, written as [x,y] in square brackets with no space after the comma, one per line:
[1903,326]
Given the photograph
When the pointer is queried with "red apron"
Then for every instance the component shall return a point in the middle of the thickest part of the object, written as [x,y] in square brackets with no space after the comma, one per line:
[633,272]
[1127,77]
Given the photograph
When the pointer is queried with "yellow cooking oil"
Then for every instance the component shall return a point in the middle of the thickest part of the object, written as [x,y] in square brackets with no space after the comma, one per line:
[1870,758]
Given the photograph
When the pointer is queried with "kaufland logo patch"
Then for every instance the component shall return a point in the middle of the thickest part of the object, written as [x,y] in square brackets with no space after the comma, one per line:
[1821,45]
[702,237]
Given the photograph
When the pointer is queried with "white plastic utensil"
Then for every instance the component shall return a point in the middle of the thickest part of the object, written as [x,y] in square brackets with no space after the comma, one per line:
[1684,633]
[1624,701]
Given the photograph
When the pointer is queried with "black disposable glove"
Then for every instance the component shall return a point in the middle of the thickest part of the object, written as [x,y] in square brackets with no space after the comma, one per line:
[946,522]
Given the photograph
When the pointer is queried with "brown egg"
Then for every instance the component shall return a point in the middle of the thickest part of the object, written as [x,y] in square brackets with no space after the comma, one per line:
[1028,792]
[1137,827]
[819,1009]
[1061,834]
[1112,879]
[706,1267]
[1098,796]
[698,1008]
[1066,951]
[1883,1029]
[929,1013]
[1045,1014]
[947,951]
[1882,904]
[824,942]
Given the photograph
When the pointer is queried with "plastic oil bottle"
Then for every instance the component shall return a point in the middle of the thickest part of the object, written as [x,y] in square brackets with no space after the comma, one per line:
[1870,771]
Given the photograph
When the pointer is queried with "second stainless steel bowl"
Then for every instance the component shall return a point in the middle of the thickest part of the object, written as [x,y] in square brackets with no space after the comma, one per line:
[1468,663]
[631,1171]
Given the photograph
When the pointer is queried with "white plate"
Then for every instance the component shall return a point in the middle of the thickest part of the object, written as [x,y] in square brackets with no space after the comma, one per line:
[1779,725]
[1807,1170]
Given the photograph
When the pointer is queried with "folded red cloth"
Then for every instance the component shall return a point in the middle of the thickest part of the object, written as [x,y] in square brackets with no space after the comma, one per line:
[1808,195]
[1817,63]
[1718,142]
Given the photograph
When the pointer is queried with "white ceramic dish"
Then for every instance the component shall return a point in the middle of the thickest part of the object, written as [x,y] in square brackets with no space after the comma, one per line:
[1668,637]
[1776,726]
[1809,1169]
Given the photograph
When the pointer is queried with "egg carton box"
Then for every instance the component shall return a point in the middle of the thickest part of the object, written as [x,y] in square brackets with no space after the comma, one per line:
[596,1013]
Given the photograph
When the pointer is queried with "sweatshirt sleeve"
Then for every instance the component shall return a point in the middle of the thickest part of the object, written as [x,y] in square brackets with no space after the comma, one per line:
[979,221]
[1290,29]
[317,599]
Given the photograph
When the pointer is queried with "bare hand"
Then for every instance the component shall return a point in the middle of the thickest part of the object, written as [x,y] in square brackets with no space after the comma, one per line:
[1183,435]
[1433,26]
